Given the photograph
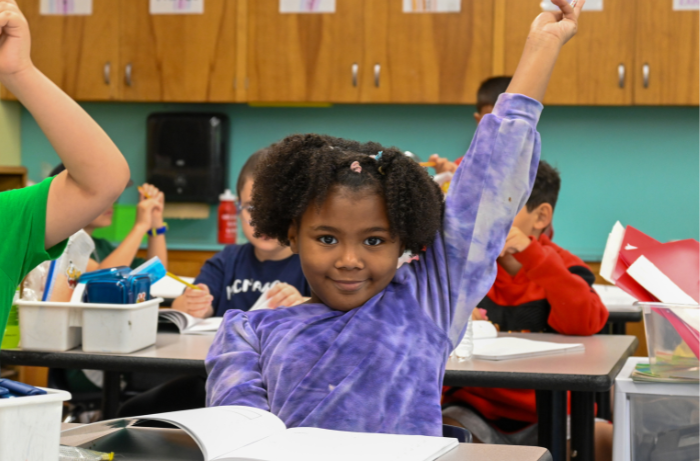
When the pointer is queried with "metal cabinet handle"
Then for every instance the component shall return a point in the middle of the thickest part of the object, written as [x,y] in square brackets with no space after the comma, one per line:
[645,75]
[127,74]
[377,74]
[621,75]
[355,67]
[107,72]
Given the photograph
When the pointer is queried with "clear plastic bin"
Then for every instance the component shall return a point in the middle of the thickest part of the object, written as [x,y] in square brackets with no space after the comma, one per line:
[654,421]
[672,338]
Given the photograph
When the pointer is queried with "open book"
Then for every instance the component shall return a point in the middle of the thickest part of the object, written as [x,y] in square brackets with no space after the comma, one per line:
[235,433]
[488,346]
[186,324]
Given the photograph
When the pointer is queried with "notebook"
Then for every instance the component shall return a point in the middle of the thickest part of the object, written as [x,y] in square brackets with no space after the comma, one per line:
[615,299]
[186,324]
[507,348]
[235,433]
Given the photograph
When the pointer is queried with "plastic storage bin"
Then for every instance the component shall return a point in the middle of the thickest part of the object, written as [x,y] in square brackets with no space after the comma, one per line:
[672,338]
[110,328]
[30,427]
[654,421]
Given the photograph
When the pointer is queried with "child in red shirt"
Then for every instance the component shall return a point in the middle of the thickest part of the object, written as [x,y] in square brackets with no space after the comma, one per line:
[539,287]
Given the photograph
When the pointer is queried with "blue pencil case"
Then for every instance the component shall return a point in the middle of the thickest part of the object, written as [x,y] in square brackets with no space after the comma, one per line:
[139,288]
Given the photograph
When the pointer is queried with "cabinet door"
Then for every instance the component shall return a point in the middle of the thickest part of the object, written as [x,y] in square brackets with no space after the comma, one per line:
[427,57]
[595,67]
[178,57]
[78,53]
[667,42]
[304,57]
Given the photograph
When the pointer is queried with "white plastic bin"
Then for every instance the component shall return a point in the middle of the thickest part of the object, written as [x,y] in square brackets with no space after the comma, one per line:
[110,328]
[650,417]
[30,427]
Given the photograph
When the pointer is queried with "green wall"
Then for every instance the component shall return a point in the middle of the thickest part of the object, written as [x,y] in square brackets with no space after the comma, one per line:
[638,165]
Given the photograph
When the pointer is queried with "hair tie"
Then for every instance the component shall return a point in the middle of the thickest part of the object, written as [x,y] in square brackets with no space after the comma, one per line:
[355,166]
[379,155]
[380,171]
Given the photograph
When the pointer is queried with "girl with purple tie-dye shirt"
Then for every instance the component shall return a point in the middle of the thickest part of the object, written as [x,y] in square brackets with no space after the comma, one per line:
[367,353]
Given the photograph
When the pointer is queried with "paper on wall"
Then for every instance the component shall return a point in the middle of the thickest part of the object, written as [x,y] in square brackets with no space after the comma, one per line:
[432,6]
[591,5]
[307,6]
[686,5]
[65,7]
[177,7]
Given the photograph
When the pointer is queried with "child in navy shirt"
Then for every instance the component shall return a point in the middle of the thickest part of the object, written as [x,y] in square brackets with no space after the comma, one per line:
[236,277]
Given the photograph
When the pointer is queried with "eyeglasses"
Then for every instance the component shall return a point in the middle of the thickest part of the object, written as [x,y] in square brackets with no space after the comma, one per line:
[240,208]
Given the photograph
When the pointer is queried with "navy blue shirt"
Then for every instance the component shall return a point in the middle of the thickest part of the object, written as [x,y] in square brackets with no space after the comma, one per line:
[237,279]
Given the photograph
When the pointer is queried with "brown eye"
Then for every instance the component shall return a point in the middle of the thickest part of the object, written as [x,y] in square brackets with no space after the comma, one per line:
[373,241]
[328,240]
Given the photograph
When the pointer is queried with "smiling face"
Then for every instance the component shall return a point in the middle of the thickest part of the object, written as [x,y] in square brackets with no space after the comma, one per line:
[347,252]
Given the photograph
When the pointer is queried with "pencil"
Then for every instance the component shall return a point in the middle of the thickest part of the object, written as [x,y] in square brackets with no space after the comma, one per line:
[140,189]
[427,164]
[171,275]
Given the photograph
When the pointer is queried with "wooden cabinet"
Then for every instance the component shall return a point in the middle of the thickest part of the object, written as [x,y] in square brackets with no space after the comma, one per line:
[304,57]
[79,53]
[666,65]
[178,57]
[603,64]
[427,57]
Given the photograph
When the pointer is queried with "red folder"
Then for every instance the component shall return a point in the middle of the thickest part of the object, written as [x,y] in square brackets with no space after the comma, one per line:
[633,241]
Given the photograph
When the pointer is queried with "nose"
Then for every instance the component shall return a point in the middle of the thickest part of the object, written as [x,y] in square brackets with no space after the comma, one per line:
[349,259]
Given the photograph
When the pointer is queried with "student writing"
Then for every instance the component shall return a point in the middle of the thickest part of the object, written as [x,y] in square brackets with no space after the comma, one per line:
[369,329]
[37,219]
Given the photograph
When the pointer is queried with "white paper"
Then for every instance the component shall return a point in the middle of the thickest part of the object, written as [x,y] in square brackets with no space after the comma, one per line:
[65,7]
[177,7]
[169,288]
[612,251]
[657,283]
[432,6]
[516,348]
[307,6]
[591,5]
[686,5]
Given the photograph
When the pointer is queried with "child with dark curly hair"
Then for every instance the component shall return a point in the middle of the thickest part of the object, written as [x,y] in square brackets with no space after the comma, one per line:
[367,353]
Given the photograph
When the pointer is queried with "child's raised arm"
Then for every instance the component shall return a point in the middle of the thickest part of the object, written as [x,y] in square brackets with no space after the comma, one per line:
[491,184]
[96,172]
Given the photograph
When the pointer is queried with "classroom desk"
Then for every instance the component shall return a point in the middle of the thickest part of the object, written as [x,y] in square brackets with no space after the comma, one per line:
[464,452]
[584,373]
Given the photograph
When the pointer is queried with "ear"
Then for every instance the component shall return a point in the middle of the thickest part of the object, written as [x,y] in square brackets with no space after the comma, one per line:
[544,214]
[477,117]
[293,235]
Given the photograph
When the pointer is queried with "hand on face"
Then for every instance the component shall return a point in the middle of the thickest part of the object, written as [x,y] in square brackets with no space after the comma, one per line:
[15,41]
[516,242]
[198,302]
[283,295]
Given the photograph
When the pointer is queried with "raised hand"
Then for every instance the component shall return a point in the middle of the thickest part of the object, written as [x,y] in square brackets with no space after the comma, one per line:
[15,41]
[561,24]
[149,191]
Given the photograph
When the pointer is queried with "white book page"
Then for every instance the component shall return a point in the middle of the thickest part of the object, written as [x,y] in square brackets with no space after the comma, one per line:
[205,326]
[181,319]
[513,348]
[221,430]
[311,444]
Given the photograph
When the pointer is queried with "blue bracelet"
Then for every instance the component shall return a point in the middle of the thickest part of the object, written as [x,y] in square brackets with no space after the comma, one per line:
[158,231]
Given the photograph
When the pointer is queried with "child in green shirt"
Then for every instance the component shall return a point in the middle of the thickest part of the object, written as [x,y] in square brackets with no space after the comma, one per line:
[36,220]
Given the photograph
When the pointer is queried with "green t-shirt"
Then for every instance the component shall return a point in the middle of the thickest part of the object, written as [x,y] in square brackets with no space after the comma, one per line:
[104,248]
[23,217]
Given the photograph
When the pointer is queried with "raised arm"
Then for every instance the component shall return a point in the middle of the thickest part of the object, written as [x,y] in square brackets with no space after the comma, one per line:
[96,172]
[491,184]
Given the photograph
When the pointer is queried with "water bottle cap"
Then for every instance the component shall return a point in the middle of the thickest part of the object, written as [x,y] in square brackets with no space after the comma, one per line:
[227,196]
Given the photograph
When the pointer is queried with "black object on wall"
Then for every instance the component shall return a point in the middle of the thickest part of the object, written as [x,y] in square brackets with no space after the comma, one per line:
[187,155]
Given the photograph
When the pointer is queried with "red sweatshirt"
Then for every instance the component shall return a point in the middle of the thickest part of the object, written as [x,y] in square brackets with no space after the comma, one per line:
[552,292]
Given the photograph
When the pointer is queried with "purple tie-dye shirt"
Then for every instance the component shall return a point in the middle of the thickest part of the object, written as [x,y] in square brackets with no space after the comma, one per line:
[379,367]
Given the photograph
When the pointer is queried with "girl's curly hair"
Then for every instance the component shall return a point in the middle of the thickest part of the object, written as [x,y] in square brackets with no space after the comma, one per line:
[301,169]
